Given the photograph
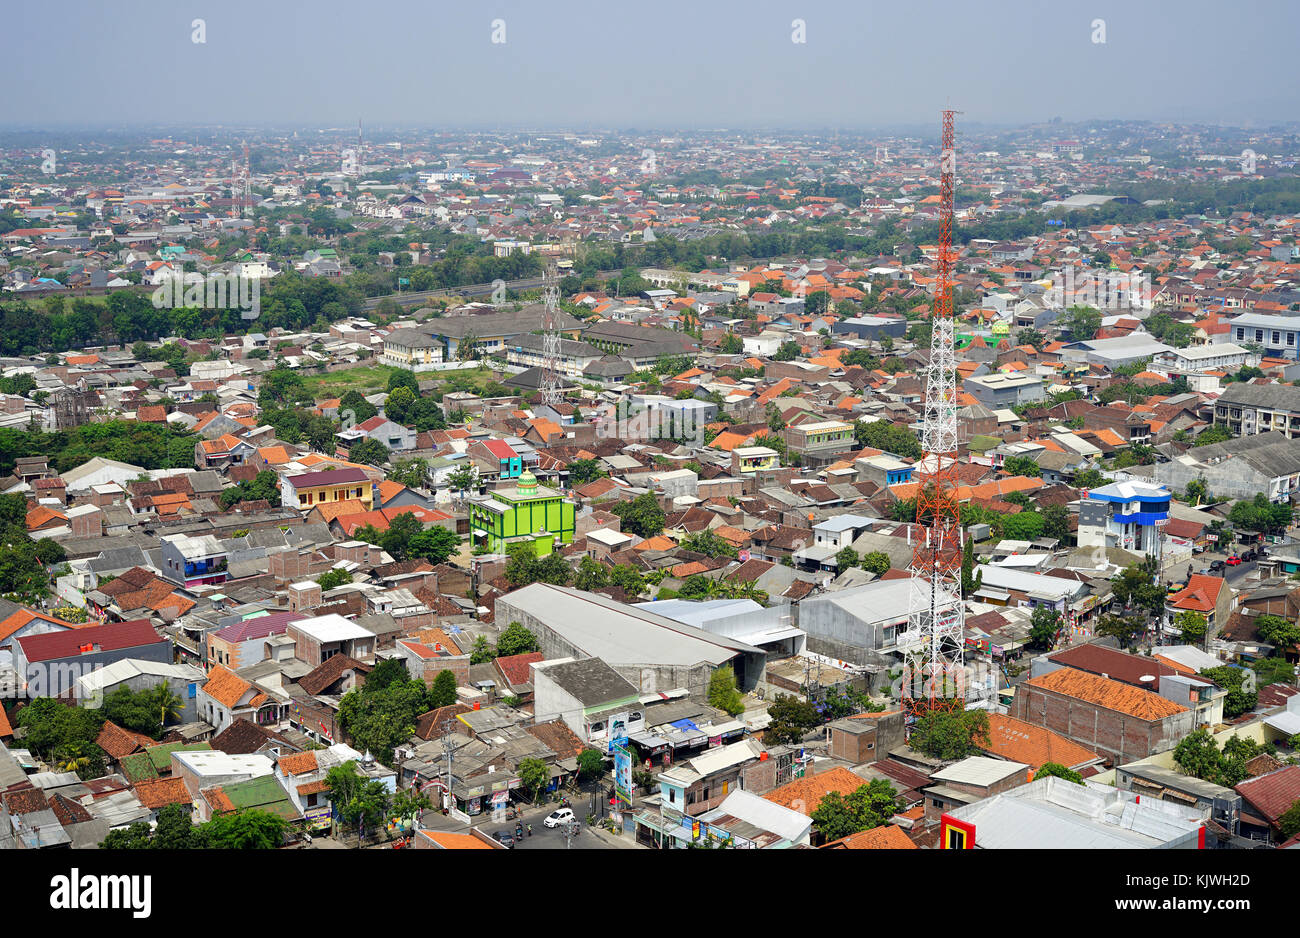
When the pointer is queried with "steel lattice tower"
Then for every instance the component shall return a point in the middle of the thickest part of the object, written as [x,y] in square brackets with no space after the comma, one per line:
[933,667]
[550,386]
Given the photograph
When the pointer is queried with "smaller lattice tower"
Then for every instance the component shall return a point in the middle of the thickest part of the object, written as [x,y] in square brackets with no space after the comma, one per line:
[550,385]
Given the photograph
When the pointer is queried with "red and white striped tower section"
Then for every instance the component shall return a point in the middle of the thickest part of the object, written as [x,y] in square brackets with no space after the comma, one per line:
[933,644]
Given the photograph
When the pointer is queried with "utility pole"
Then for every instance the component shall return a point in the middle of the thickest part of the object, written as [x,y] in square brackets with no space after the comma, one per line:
[446,744]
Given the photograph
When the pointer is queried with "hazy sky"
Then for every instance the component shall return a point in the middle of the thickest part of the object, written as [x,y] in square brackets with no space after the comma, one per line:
[654,63]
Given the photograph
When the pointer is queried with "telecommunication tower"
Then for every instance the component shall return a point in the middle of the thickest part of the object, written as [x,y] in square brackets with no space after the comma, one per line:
[247,194]
[550,385]
[933,667]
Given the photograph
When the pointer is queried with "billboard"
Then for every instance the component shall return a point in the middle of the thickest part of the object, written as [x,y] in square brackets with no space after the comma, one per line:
[623,775]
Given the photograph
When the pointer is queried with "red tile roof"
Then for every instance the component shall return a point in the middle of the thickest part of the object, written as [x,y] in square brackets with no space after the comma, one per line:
[1201,594]
[119,742]
[1274,793]
[500,449]
[515,668]
[1115,664]
[111,637]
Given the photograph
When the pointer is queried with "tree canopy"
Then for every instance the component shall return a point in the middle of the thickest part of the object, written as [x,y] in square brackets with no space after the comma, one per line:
[955,734]
[870,806]
[641,516]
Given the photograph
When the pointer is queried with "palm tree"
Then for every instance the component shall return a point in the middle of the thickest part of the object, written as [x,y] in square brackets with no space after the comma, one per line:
[73,758]
[165,702]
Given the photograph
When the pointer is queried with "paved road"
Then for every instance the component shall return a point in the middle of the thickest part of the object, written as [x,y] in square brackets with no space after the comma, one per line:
[544,839]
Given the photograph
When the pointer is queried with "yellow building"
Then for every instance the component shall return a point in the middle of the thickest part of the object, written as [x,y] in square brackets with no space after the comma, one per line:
[310,489]
[754,459]
[411,349]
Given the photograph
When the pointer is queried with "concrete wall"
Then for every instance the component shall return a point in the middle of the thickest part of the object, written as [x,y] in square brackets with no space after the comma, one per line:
[551,702]
[1117,736]
[837,633]
[1232,478]
[143,682]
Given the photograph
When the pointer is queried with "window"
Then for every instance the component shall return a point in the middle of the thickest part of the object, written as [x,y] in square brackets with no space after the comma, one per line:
[1277,337]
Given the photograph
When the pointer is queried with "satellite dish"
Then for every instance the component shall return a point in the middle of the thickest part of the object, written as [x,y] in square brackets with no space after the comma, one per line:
[1147,678]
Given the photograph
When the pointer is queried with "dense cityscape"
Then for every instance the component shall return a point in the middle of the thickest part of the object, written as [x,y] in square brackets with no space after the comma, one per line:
[560,485]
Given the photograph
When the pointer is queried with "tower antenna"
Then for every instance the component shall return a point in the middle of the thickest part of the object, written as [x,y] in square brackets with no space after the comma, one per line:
[550,385]
[934,676]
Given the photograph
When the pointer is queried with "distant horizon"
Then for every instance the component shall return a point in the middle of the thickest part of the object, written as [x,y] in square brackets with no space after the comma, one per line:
[917,127]
[801,65]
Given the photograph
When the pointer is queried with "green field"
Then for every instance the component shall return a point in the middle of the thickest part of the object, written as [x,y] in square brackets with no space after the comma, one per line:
[368,379]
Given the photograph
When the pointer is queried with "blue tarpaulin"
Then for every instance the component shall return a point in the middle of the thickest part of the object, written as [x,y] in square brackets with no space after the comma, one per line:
[685,725]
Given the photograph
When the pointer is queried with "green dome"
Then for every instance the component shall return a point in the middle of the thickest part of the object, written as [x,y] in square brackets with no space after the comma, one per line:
[527,483]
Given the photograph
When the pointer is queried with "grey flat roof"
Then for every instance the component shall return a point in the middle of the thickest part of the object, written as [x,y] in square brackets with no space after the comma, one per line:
[619,633]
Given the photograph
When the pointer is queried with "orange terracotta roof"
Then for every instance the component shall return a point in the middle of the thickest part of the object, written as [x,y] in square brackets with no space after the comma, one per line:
[1200,595]
[450,841]
[225,686]
[296,763]
[155,793]
[805,794]
[22,617]
[274,455]
[331,510]
[729,441]
[888,837]
[1018,741]
[1109,436]
[1122,698]
[658,542]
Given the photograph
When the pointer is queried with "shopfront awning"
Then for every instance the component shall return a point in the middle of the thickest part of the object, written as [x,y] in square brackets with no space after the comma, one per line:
[649,741]
[678,739]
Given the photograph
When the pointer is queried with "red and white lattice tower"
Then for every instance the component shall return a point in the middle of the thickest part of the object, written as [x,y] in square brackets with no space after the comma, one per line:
[550,385]
[933,644]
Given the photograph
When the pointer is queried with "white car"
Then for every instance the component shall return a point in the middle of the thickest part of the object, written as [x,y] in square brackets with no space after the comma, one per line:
[562,816]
